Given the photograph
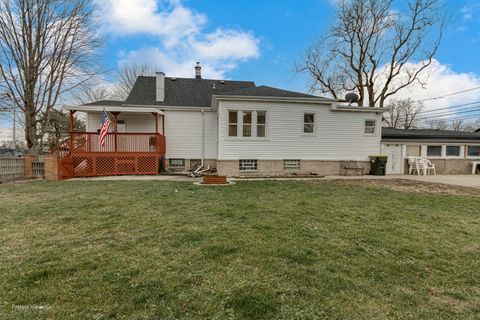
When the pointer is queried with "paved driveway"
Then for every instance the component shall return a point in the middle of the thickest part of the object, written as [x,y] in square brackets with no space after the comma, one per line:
[457,180]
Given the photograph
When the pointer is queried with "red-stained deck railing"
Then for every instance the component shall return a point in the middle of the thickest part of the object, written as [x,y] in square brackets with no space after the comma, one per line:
[123,153]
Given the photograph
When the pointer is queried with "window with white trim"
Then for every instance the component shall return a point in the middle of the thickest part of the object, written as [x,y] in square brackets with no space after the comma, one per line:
[453,151]
[247,124]
[291,164]
[434,151]
[308,122]
[370,126]
[473,151]
[247,165]
[414,151]
[232,123]
[176,163]
[261,124]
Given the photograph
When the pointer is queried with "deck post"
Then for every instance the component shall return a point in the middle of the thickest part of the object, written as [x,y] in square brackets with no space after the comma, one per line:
[115,118]
[72,112]
[156,122]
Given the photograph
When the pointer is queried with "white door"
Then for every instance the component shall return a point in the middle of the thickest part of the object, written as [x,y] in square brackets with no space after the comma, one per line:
[394,162]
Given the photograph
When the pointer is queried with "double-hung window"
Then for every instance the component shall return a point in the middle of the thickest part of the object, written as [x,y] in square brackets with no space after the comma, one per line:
[247,123]
[261,124]
[232,123]
[370,126]
[308,122]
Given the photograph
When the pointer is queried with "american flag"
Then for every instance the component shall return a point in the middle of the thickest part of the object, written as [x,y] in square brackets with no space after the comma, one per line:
[104,129]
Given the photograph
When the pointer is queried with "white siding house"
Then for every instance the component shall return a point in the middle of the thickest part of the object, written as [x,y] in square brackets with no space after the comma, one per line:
[236,126]
[337,135]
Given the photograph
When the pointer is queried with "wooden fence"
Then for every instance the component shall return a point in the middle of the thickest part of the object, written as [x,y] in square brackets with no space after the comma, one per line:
[11,168]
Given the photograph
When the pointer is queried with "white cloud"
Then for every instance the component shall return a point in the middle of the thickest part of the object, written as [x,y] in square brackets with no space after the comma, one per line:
[442,80]
[181,37]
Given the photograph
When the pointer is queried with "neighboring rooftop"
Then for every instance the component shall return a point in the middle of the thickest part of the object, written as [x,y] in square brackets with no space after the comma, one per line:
[406,134]
[184,92]
[105,103]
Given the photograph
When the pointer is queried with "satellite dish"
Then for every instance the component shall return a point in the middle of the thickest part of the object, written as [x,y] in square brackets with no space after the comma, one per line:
[351,97]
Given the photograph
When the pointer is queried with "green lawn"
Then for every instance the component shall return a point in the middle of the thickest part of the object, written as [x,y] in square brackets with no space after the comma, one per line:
[255,250]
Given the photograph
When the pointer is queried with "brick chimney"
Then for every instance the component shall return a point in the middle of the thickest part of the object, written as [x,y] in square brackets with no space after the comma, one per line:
[198,71]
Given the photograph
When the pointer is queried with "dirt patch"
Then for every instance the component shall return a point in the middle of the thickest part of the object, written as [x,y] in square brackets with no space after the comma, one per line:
[412,186]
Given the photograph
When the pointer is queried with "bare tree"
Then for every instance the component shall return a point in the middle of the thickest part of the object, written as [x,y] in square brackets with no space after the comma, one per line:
[458,125]
[438,124]
[89,92]
[462,125]
[374,49]
[47,48]
[403,114]
[126,77]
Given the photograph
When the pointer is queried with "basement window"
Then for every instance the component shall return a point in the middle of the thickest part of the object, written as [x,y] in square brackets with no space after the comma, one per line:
[176,163]
[291,164]
[247,165]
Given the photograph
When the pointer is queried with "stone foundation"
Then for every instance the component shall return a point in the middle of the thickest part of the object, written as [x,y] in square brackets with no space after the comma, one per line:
[449,166]
[274,168]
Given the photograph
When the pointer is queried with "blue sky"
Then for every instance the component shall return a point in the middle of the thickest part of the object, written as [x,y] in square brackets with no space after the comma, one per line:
[261,40]
[282,30]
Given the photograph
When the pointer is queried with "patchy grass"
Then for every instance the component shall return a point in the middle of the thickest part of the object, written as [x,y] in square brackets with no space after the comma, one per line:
[255,250]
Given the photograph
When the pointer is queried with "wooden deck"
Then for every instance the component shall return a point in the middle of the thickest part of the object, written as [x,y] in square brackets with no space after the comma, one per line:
[123,154]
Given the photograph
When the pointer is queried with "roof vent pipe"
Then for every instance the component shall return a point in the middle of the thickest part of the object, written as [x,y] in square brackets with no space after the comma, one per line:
[198,71]
[160,86]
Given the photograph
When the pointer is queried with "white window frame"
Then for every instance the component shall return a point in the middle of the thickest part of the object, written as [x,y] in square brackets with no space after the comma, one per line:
[442,150]
[314,123]
[170,165]
[254,124]
[461,151]
[374,133]
[231,123]
[468,147]
[264,125]
[291,164]
[247,165]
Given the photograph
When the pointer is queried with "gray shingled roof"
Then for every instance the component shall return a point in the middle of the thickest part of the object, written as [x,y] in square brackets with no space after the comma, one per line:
[264,91]
[182,91]
[425,134]
[105,103]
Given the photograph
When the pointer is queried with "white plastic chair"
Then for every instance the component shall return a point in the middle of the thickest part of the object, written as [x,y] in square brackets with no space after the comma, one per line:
[429,166]
[413,165]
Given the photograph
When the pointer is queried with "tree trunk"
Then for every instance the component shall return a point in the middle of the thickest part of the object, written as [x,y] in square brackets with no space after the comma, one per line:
[30,131]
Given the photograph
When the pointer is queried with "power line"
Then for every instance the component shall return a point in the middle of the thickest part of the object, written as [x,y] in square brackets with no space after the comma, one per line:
[444,114]
[450,107]
[448,95]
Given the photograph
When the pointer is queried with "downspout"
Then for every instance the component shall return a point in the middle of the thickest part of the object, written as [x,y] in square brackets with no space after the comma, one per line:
[201,169]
